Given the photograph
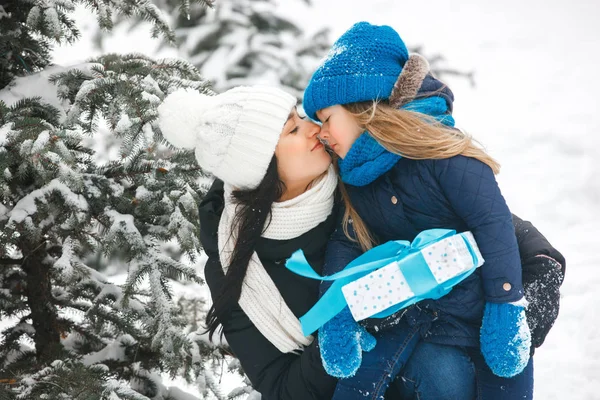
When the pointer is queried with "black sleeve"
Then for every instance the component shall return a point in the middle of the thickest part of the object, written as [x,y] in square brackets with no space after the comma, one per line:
[276,375]
[543,273]
[532,243]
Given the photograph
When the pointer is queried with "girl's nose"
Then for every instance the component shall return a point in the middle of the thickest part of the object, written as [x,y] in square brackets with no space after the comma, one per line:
[323,134]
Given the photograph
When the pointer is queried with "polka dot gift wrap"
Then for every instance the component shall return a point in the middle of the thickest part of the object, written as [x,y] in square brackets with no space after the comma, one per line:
[388,286]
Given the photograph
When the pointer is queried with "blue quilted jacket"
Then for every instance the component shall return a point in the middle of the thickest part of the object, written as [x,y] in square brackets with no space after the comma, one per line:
[458,193]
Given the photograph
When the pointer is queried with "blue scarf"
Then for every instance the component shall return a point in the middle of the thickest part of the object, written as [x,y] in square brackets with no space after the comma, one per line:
[367,160]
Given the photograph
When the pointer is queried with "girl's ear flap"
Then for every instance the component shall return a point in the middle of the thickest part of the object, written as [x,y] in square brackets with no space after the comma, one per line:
[409,81]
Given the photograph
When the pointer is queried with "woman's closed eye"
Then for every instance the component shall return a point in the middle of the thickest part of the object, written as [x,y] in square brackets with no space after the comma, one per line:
[295,129]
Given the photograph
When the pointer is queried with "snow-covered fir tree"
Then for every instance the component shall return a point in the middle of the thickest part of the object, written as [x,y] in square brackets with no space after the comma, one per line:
[68,331]
[242,42]
[247,41]
[30,27]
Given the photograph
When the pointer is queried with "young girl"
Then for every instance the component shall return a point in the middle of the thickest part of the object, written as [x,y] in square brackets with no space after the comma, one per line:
[405,170]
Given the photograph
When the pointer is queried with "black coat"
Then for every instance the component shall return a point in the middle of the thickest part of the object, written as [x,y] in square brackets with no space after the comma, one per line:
[543,273]
[286,376]
[274,374]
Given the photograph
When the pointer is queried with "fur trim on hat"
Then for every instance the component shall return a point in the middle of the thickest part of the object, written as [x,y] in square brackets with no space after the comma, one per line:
[409,81]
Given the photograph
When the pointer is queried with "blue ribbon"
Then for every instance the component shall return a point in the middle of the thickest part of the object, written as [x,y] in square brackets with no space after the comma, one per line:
[413,266]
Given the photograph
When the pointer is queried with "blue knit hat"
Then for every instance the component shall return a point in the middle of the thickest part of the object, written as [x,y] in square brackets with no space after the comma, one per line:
[363,64]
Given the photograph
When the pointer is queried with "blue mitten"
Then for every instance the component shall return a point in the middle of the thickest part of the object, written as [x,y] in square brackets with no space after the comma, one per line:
[505,338]
[342,341]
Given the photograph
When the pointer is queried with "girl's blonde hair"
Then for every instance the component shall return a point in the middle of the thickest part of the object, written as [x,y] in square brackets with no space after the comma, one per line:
[412,135]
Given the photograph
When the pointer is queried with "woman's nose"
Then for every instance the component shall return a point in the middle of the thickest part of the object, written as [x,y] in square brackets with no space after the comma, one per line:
[311,129]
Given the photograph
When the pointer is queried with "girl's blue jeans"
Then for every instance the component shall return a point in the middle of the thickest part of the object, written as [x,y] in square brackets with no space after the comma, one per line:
[381,365]
[421,370]
[437,371]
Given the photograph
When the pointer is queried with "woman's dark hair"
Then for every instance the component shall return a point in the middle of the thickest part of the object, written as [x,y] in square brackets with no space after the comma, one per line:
[253,209]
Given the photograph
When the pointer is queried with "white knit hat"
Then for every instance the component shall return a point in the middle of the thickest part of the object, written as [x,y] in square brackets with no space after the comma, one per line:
[234,133]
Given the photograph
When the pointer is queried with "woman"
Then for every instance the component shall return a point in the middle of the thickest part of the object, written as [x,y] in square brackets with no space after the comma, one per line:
[253,139]
[276,193]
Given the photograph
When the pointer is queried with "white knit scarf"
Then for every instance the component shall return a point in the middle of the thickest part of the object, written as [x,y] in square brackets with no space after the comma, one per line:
[260,299]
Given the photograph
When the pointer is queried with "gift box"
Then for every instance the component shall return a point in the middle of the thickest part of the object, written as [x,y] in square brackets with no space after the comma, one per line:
[427,273]
[392,276]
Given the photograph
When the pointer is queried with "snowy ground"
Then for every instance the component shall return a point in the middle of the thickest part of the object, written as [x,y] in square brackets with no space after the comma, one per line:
[535,108]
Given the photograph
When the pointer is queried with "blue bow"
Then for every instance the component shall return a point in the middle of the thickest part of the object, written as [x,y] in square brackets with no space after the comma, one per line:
[413,266]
